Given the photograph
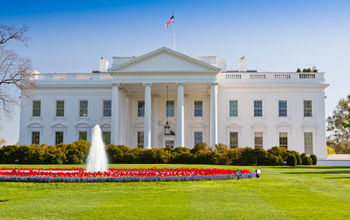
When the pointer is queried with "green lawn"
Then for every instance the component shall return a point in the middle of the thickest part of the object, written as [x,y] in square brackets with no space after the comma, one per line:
[280,193]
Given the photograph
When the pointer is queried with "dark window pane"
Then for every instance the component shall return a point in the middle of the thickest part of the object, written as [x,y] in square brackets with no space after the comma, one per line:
[170,111]
[107,108]
[141,109]
[198,108]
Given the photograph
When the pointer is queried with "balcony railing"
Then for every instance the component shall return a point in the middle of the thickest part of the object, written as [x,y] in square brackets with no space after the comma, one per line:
[271,77]
[71,76]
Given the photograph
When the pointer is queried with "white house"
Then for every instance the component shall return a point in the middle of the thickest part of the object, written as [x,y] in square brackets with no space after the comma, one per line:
[168,98]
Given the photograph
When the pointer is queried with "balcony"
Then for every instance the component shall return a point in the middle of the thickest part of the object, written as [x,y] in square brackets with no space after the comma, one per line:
[231,77]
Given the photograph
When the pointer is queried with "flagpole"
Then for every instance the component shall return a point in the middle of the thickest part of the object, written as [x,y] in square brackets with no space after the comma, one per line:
[174,44]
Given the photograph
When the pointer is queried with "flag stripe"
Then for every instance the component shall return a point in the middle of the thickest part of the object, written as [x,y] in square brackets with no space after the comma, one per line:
[171,20]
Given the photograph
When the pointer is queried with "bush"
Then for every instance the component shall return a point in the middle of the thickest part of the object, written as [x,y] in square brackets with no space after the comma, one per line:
[199,147]
[297,156]
[247,156]
[330,150]
[206,157]
[181,155]
[291,160]
[53,154]
[314,159]
[221,148]
[76,153]
[307,160]
[274,160]
[279,152]
[261,155]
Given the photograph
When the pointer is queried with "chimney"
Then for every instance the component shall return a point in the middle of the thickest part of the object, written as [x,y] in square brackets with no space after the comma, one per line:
[242,64]
[103,65]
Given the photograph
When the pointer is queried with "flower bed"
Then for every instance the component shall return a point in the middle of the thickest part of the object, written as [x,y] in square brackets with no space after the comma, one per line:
[117,175]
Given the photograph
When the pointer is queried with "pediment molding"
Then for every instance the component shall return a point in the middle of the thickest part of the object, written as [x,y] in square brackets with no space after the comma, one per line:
[123,67]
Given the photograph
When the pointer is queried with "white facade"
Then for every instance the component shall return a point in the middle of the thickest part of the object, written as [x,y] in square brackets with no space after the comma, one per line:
[211,104]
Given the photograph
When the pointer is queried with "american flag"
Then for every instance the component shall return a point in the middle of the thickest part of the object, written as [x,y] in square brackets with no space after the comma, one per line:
[171,20]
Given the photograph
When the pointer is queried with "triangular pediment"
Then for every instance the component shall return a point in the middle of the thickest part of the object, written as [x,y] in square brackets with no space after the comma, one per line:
[164,60]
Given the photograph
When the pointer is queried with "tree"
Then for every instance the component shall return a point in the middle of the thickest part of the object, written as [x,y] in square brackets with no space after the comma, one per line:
[338,127]
[346,122]
[14,70]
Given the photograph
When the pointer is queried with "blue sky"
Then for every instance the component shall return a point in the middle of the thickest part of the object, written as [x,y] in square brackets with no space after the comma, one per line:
[70,36]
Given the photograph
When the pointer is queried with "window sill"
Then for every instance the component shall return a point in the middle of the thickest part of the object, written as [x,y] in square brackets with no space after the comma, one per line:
[283,118]
[258,118]
[84,118]
[309,118]
[60,118]
[233,118]
[34,118]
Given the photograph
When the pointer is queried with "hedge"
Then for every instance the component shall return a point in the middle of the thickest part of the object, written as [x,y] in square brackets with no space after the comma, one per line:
[76,153]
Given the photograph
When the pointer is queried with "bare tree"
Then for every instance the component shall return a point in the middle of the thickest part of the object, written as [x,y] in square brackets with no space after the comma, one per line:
[8,33]
[14,70]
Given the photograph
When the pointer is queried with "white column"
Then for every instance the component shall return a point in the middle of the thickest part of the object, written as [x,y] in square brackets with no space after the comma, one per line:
[147,117]
[180,116]
[126,140]
[213,115]
[115,113]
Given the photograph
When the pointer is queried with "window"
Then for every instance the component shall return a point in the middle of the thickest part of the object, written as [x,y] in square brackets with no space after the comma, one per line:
[307,108]
[258,139]
[35,137]
[83,135]
[198,108]
[36,108]
[283,139]
[233,139]
[169,143]
[106,135]
[83,108]
[308,145]
[198,137]
[107,108]
[141,109]
[140,139]
[170,105]
[282,108]
[233,108]
[59,137]
[257,108]
[60,108]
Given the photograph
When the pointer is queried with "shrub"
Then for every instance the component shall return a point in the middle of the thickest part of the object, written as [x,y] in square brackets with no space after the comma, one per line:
[75,152]
[274,160]
[233,155]
[181,155]
[297,156]
[206,157]
[314,159]
[279,152]
[307,160]
[53,154]
[221,148]
[247,156]
[199,147]
[261,155]
[291,160]
[330,150]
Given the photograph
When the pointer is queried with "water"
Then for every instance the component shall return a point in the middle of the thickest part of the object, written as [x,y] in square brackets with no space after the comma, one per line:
[97,158]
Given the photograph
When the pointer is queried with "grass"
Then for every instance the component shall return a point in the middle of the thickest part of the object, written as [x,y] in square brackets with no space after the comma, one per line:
[280,193]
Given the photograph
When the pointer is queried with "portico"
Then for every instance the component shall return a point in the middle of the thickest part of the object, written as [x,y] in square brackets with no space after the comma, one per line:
[153,71]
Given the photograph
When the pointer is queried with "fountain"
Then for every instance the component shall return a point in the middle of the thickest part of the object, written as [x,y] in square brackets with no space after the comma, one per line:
[97,158]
